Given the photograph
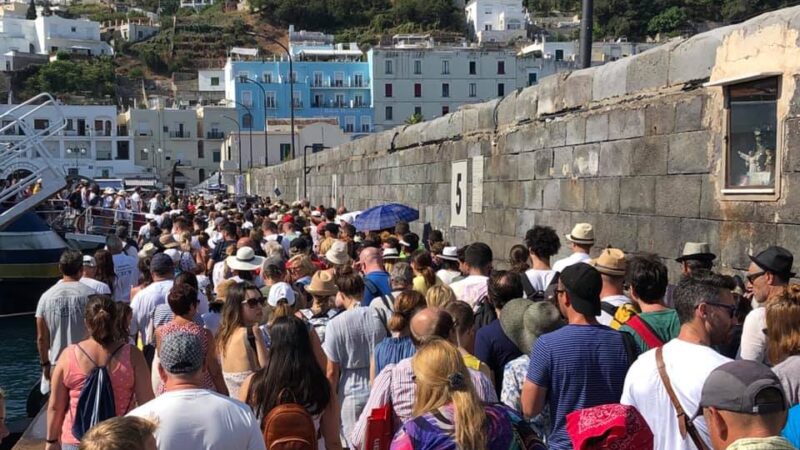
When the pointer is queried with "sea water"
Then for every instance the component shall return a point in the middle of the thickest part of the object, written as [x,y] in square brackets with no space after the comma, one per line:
[19,362]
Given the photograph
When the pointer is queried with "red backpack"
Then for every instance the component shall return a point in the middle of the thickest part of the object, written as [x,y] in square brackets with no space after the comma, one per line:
[289,427]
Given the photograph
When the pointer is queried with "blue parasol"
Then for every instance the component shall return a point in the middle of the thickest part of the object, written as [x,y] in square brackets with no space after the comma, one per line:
[384,216]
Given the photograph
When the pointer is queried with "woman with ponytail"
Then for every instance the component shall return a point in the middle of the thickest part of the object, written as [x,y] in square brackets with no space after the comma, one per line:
[130,378]
[448,414]
[399,346]
[424,275]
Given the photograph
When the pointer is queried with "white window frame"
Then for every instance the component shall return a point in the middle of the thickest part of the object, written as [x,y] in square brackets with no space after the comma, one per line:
[366,121]
[247,98]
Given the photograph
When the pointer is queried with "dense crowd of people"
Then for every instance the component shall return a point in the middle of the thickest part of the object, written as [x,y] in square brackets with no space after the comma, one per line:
[246,325]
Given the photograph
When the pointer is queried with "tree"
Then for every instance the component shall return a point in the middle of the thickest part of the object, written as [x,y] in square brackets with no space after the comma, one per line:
[31,13]
[414,118]
[668,21]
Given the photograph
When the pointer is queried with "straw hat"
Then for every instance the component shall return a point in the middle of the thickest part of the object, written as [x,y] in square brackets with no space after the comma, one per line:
[582,233]
[167,241]
[523,321]
[449,254]
[390,254]
[338,253]
[611,262]
[245,259]
[322,284]
[696,251]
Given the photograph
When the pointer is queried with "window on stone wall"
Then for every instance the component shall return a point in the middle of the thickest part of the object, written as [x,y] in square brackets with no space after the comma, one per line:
[752,147]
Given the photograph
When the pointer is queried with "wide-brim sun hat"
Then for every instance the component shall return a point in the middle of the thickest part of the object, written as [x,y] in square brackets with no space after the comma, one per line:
[337,254]
[245,259]
[167,241]
[322,284]
[696,251]
[523,321]
[449,254]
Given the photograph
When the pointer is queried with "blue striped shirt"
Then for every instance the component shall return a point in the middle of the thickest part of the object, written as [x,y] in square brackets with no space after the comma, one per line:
[581,366]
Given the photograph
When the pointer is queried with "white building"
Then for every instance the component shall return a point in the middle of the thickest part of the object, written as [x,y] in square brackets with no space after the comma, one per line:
[89,145]
[417,76]
[196,4]
[211,80]
[48,35]
[496,20]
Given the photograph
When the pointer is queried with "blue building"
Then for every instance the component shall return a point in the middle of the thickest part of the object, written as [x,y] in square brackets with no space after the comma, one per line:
[330,81]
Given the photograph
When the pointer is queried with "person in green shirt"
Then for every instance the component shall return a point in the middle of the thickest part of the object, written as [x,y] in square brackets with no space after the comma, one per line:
[647,280]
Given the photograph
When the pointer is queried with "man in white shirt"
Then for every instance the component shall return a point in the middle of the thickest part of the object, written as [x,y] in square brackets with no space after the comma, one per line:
[144,303]
[136,200]
[612,265]
[89,271]
[706,308]
[271,234]
[449,265]
[768,275]
[190,417]
[125,267]
[581,240]
[478,261]
[154,203]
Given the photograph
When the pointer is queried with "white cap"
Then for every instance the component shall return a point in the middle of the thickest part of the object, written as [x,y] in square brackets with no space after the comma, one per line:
[280,291]
[89,261]
[174,254]
[316,213]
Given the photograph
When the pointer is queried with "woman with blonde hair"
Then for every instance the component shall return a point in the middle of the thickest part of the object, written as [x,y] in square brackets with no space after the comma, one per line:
[448,414]
[783,340]
[440,295]
[121,433]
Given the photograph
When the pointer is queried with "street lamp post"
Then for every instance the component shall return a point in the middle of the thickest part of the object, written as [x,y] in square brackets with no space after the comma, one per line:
[77,151]
[238,141]
[250,128]
[291,80]
[156,160]
[264,96]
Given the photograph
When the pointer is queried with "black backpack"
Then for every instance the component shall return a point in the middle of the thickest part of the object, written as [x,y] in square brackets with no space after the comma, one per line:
[485,314]
[96,401]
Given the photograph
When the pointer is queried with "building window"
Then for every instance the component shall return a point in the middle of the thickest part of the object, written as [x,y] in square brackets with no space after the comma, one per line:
[123,150]
[389,68]
[319,101]
[349,124]
[215,157]
[417,89]
[200,150]
[417,67]
[358,101]
[286,151]
[487,27]
[317,79]
[247,98]
[473,89]
[201,174]
[242,76]
[418,110]
[366,124]
[338,101]
[445,67]
[388,113]
[533,78]
[752,134]
[294,77]
[445,110]
[41,124]
[501,67]
[387,90]
[298,99]
[473,68]
[501,89]
[338,79]
[445,90]
[358,79]
[271,99]
[215,81]
[247,121]
[73,29]
[559,55]
[267,77]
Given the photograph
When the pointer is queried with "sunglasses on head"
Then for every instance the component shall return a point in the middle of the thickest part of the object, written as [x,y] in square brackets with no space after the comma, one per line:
[253,302]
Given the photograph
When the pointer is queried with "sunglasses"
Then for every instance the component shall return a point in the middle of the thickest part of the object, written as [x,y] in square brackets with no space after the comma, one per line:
[751,277]
[255,302]
[731,308]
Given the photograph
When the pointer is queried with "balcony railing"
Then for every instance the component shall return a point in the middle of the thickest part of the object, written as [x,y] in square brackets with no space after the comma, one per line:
[339,84]
[215,135]
[180,134]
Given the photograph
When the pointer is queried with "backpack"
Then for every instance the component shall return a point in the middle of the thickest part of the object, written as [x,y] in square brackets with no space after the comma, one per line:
[485,314]
[289,427]
[621,314]
[96,401]
[530,292]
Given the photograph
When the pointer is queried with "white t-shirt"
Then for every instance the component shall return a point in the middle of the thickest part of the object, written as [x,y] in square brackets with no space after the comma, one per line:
[136,202]
[754,341]
[447,276]
[688,365]
[616,300]
[574,258]
[274,237]
[198,419]
[470,289]
[144,304]
[540,279]
[127,276]
[98,286]
[153,203]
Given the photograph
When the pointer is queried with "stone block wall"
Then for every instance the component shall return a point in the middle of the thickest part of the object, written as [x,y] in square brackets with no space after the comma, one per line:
[634,147]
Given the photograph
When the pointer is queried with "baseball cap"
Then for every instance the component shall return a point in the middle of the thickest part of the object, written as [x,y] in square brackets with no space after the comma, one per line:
[280,291]
[583,283]
[161,263]
[89,261]
[181,353]
[737,385]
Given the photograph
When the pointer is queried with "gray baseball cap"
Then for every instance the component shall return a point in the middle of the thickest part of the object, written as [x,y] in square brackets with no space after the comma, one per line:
[736,386]
[181,353]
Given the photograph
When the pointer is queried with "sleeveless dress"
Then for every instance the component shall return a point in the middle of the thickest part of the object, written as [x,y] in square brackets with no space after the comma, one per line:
[122,383]
[191,328]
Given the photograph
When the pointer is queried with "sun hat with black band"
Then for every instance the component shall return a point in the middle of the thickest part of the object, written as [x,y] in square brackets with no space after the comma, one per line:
[582,233]
[736,386]
[696,251]
[775,259]
[583,284]
[449,254]
[611,262]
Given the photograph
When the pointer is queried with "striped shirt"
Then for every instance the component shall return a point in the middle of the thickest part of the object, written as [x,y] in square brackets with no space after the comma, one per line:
[395,386]
[580,366]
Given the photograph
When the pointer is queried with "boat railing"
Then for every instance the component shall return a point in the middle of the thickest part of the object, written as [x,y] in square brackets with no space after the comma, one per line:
[99,221]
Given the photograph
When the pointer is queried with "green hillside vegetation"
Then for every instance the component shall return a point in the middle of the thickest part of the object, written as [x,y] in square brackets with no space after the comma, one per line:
[89,78]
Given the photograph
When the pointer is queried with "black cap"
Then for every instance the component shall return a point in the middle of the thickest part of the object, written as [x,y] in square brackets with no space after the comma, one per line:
[583,284]
[775,259]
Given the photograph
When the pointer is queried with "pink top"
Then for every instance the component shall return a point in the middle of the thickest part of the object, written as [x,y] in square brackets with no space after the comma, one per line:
[191,328]
[121,381]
